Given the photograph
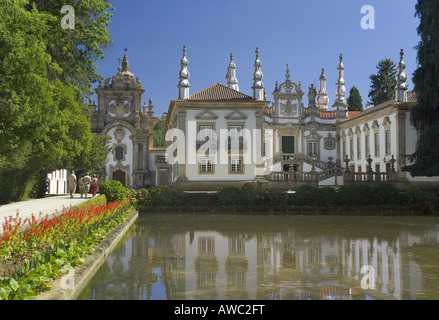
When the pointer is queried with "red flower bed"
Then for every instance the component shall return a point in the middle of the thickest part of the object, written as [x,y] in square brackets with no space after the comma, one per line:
[23,235]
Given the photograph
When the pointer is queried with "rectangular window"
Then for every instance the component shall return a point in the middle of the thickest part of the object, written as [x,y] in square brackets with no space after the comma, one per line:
[205,133]
[313,149]
[377,145]
[287,144]
[264,149]
[387,142]
[236,138]
[358,148]
[235,133]
[206,166]
[367,143]
[236,165]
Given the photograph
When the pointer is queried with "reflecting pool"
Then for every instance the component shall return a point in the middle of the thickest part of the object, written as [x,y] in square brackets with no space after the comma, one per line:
[185,256]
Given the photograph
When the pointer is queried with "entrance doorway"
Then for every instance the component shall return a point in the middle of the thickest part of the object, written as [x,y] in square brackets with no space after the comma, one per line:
[119,175]
[163,178]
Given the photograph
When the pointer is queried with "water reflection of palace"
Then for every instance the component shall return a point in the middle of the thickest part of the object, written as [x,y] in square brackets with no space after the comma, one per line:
[301,261]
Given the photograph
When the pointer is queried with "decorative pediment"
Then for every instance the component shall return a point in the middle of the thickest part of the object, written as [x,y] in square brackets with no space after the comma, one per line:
[386,122]
[350,132]
[289,87]
[313,135]
[366,127]
[375,124]
[236,115]
[206,115]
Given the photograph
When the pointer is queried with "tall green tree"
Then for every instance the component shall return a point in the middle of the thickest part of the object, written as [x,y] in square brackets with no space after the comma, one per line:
[43,126]
[355,102]
[425,115]
[383,84]
[76,50]
[159,132]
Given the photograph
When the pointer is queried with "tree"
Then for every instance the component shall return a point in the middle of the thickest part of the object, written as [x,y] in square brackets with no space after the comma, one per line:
[425,115]
[76,50]
[43,126]
[355,102]
[383,84]
[159,132]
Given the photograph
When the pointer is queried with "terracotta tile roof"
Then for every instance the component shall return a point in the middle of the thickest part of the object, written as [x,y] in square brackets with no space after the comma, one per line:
[411,99]
[352,114]
[219,92]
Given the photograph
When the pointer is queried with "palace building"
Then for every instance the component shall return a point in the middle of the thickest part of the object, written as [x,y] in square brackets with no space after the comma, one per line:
[292,140]
[222,137]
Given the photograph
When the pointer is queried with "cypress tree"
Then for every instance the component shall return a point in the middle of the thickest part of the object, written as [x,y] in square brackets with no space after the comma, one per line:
[383,84]
[425,115]
[355,102]
[159,132]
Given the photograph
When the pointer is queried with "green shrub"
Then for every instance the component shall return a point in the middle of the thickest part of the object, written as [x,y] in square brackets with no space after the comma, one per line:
[201,199]
[304,196]
[232,196]
[113,190]
[385,194]
[355,195]
[276,197]
[132,194]
[159,197]
[254,195]
[416,198]
[326,197]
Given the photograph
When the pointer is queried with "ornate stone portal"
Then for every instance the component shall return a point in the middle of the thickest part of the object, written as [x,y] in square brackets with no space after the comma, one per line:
[119,115]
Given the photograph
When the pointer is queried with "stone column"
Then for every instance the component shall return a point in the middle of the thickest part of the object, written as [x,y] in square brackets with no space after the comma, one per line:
[401,138]
[145,157]
[181,118]
[259,174]
[135,157]
[141,155]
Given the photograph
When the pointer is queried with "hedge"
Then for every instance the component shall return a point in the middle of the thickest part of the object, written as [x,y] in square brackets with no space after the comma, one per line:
[345,197]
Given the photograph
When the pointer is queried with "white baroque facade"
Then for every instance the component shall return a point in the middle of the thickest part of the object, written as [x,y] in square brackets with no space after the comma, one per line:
[300,142]
[221,137]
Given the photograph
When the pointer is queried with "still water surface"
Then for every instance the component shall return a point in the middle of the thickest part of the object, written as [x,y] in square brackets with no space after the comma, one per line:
[214,257]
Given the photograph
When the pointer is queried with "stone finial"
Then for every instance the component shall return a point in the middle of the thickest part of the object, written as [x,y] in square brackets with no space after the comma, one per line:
[125,64]
[183,84]
[231,80]
[150,107]
[258,85]
[401,80]
[323,99]
[340,90]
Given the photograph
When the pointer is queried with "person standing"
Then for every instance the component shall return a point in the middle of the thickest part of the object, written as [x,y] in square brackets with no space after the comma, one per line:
[94,185]
[87,181]
[81,185]
[71,183]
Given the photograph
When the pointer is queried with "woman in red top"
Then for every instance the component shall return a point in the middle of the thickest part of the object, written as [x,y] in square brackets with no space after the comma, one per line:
[94,185]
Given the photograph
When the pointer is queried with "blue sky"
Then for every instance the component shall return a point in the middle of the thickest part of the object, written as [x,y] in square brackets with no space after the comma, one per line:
[307,35]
